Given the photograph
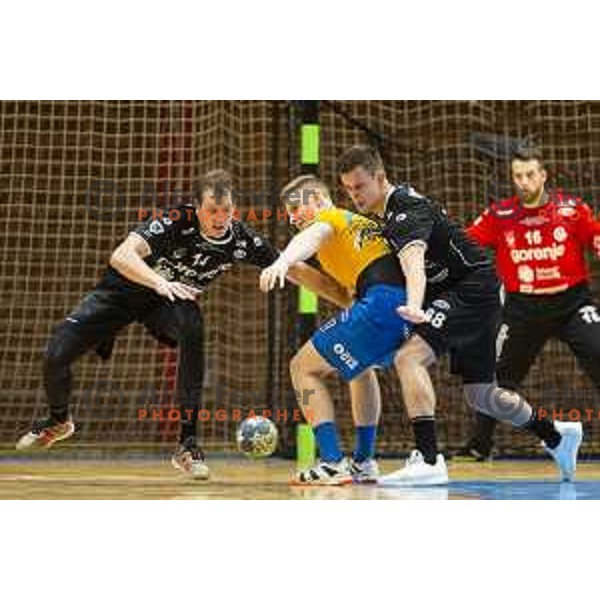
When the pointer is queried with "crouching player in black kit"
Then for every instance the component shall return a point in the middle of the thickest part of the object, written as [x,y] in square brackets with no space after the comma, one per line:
[451,274]
[153,278]
[540,238]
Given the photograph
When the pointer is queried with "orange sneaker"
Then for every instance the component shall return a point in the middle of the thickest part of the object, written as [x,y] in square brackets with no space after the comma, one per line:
[45,433]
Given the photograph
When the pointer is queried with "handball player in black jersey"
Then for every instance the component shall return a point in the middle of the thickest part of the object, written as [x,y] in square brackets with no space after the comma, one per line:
[154,277]
[453,299]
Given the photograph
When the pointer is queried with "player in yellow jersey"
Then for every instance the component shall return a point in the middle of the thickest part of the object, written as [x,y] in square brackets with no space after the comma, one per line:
[351,250]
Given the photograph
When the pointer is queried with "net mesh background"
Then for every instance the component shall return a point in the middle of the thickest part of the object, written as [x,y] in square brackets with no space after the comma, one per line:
[74,175]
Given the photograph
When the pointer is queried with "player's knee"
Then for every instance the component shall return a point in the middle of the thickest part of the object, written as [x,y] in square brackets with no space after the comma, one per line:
[55,356]
[474,396]
[190,335]
[303,363]
[406,361]
[297,364]
[190,328]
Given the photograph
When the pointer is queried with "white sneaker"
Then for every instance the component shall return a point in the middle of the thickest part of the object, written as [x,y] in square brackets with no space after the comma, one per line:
[565,454]
[324,473]
[365,471]
[416,472]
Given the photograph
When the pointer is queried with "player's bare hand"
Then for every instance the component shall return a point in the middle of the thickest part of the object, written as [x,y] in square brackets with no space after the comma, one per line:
[412,314]
[174,290]
[276,272]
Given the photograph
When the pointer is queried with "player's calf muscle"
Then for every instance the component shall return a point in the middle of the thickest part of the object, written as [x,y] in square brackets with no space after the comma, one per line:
[411,363]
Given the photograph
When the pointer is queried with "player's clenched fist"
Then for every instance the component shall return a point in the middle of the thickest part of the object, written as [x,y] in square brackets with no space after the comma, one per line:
[174,290]
[277,271]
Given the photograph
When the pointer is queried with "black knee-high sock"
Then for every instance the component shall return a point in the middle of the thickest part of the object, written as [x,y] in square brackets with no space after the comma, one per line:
[544,429]
[189,422]
[59,413]
[483,438]
[425,438]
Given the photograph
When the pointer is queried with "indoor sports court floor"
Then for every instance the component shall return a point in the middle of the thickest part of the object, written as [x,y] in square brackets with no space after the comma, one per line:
[245,479]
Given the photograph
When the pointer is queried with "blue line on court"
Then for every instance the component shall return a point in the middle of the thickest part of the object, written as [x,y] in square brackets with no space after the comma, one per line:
[526,490]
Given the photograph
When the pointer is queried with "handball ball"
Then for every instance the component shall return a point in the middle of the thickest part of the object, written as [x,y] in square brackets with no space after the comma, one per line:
[257,437]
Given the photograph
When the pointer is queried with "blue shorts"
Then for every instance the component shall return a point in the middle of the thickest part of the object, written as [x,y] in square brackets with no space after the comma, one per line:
[365,335]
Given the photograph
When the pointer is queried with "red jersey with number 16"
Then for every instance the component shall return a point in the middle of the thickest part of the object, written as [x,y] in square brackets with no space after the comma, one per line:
[539,250]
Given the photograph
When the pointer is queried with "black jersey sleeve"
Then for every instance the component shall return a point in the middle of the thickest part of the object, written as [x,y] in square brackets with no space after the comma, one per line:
[259,250]
[161,233]
[408,218]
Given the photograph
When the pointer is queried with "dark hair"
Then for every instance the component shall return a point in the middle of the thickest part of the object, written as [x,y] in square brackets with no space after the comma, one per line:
[219,181]
[360,155]
[527,153]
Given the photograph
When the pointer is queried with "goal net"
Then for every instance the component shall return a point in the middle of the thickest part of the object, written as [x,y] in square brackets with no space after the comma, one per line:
[74,174]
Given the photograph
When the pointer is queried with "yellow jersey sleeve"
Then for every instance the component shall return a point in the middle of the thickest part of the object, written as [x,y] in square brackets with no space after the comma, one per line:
[339,219]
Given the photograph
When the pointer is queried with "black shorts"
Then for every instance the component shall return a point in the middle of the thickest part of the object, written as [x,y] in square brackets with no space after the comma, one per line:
[107,309]
[529,321]
[464,322]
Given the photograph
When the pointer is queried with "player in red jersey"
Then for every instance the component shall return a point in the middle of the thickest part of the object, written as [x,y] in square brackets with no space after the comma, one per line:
[540,238]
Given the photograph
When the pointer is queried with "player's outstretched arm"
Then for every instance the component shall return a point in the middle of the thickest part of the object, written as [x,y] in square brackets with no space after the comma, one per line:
[483,230]
[321,284]
[412,259]
[588,228]
[128,260]
[301,247]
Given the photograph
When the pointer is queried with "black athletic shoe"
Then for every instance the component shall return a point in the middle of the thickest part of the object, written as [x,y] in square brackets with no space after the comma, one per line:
[476,452]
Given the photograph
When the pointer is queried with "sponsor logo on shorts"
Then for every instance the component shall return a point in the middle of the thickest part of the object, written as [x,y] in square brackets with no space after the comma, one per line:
[345,356]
